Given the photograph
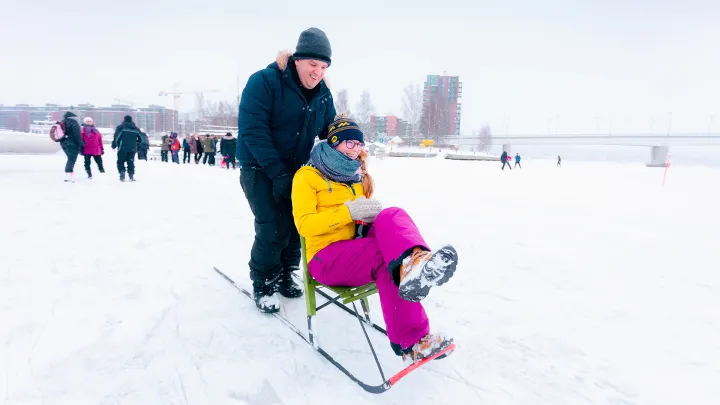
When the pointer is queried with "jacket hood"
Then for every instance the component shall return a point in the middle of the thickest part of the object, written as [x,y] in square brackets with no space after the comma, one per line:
[69,114]
[129,125]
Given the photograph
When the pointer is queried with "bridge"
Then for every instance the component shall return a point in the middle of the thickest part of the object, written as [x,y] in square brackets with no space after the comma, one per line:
[659,145]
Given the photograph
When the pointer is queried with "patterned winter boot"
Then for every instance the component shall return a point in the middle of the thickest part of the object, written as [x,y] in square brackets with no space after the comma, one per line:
[422,270]
[286,286]
[266,299]
[428,346]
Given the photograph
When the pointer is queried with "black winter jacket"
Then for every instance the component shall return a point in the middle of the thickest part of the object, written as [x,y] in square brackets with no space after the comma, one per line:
[72,130]
[228,146]
[127,137]
[277,124]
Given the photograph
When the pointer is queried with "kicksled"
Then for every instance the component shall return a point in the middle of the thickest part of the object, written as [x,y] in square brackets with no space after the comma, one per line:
[341,297]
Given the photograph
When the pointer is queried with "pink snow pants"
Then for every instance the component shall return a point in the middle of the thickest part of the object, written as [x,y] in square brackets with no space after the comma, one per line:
[356,262]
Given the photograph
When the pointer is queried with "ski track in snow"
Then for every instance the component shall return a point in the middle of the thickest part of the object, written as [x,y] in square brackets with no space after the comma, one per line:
[587,284]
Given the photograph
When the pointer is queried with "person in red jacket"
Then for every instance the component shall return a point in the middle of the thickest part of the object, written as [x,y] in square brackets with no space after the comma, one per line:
[175,147]
[93,145]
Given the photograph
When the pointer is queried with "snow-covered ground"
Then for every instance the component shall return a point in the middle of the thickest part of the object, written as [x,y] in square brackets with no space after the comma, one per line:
[586,284]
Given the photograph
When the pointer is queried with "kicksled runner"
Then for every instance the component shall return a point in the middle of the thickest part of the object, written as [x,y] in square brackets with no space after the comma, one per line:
[342,297]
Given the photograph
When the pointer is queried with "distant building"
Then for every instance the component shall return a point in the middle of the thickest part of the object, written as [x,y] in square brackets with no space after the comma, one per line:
[389,126]
[155,118]
[441,106]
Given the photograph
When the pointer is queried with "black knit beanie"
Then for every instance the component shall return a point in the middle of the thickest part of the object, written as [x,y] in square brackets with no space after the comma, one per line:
[313,44]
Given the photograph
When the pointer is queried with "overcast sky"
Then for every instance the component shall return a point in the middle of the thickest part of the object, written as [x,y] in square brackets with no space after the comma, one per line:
[532,66]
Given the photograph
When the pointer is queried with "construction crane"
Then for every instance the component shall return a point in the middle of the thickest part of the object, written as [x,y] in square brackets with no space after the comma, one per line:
[125,102]
[199,94]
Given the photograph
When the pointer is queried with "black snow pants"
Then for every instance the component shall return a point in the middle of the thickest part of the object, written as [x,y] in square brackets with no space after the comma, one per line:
[71,151]
[98,161]
[122,159]
[276,248]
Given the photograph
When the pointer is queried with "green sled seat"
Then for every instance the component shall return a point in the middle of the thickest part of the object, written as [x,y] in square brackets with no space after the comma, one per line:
[340,296]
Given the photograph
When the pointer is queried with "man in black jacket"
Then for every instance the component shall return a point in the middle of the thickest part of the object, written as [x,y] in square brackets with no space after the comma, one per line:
[126,140]
[228,147]
[72,144]
[283,108]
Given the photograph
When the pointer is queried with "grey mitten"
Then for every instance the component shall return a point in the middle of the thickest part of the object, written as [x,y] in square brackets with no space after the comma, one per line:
[364,209]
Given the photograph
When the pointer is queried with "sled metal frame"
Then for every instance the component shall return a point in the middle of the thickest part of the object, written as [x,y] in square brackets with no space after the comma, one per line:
[374,389]
[343,295]
[346,295]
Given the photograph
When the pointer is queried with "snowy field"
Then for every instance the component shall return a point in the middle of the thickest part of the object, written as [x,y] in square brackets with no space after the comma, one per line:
[586,284]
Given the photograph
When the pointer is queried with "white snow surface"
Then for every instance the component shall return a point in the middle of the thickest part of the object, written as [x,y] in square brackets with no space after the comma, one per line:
[586,284]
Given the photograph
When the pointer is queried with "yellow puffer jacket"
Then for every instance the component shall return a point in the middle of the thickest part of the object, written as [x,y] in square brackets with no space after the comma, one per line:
[319,210]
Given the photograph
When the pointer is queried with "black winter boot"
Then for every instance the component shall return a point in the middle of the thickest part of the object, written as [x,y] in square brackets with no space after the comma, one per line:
[266,300]
[286,286]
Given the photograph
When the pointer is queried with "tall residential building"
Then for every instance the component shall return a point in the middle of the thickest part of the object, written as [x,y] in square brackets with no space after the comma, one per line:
[441,106]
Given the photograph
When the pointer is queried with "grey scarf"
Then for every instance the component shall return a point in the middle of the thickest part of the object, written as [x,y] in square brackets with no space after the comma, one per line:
[335,165]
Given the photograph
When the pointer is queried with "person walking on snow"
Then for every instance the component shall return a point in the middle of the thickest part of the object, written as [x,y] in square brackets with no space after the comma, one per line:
[505,160]
[71,144]
[144,146]
[228,146]
[283,108]
[559,162]
[186,149]
[175,148]
[164,148]
[199,149]
[517,160]
[331,194]
[192,144]
[209,149]
[126,140]
[94,148]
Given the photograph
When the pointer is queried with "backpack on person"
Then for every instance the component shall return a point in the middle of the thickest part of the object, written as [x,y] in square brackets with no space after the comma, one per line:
[57,131]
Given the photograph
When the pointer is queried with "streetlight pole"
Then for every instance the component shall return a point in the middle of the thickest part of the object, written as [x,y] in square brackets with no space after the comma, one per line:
[712,116]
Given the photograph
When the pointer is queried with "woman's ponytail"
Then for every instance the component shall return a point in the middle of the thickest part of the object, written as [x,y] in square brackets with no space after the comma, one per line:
[368,183]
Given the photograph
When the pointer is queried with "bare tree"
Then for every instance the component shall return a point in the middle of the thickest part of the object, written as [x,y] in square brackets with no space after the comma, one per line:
[342,104]
[485,138]
[434,120]
[223,113]
[365,111]
[413,108]
[200,100]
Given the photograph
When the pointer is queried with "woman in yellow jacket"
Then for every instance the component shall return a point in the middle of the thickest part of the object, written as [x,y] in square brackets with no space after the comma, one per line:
[332,204]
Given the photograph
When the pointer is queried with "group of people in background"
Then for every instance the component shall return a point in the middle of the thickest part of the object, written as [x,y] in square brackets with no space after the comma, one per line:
[506,159]
[86,140]
[196,147]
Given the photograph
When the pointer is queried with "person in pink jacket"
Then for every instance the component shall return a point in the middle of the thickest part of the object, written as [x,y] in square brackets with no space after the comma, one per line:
[93,145]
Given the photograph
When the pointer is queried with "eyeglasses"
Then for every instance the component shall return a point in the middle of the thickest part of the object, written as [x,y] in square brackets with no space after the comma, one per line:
[352,144]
